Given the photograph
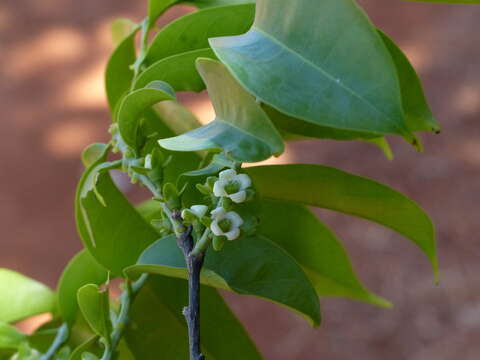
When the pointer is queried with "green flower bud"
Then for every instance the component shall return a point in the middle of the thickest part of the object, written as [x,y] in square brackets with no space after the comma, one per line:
[207,221]
[170,194]
[218,242]
[205,190]
[188,216]
[211,180]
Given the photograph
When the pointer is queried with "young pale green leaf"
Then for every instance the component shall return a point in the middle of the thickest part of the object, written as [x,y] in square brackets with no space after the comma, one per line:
[22,297]
[134,104]
[115,225]
[322,62]
[330,188]
[80,271]
[119,75]
[241,127]
[157,8]
[418,115]
[192,31]
[298,231]
[95,306]
[10,337]
[161,301]
[178,70]
[251,266]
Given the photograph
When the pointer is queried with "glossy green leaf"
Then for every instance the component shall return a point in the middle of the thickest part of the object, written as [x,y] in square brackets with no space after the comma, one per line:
[95,306]
[157,8]
[115,225]
[178,70]
[22,297]
[322,62]
[241,127]
[84,347]
[135,103]
[250,266]
[192,31]
[313,245]
[80,271]
[418,115]
[10,337]
[121,29]
[157,311]
[329,188]
[119,75]
[92,153]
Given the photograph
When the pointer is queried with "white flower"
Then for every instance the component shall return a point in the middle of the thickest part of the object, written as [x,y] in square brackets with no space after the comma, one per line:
[226,223]
[198,210]
[232,185]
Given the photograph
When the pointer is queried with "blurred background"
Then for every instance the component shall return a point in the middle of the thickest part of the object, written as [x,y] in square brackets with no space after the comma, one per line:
[52,105]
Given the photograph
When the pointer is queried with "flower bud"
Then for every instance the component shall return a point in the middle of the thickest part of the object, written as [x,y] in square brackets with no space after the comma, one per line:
[218,242]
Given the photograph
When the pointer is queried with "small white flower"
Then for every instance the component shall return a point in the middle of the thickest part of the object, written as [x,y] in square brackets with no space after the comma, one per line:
[232,185]
[198,210]
[226,223]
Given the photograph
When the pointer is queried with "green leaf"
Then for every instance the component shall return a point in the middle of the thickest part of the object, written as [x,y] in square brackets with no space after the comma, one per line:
[241,128]
[333,189]
[168,119]
[10,337]
[119,75]
[88,345]
[418,115]
[178,70]
[80,271]
[121,29]
[22,297]
[134,104]
[192,31]
[298,231]
[157,8]
[322,62]
[115,225]
[157,311]
[250,266]
[95,306]
[92,153]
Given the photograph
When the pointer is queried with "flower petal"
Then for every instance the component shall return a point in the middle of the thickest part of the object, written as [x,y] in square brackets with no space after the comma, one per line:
[238,197]
[244,181]
[236,220]
[227,175]
[219,188]
[199,210]
[218,213]
[216,229]
[233,234]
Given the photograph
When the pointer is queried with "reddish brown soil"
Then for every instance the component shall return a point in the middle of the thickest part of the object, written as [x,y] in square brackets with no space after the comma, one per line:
[51,103]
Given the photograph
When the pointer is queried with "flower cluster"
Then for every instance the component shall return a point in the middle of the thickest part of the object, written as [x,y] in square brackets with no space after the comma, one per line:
[227,190]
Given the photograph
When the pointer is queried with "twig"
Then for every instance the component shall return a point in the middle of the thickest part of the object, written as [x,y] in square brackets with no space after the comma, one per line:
[192,312]
[127,298]
[60,339]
